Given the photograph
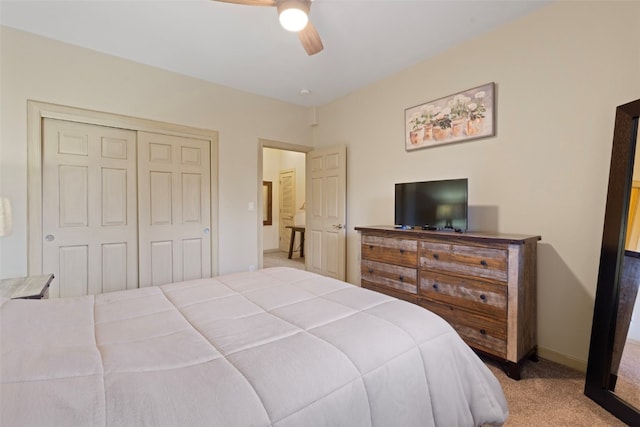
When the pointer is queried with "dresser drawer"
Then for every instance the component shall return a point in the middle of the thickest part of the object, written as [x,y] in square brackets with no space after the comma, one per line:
[476,295]
[392,293]
[478,261]
[389,276]
[391,250]
[483,333]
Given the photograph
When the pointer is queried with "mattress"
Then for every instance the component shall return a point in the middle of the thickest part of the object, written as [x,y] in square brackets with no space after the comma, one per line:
[276,347]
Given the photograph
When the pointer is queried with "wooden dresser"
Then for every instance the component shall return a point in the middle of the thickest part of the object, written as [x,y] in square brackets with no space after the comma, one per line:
[484,285]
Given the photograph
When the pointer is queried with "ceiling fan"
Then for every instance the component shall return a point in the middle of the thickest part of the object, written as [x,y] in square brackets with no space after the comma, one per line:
[294,16]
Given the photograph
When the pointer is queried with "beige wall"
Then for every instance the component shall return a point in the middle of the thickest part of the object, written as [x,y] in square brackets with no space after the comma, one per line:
[559,74]
[40,69]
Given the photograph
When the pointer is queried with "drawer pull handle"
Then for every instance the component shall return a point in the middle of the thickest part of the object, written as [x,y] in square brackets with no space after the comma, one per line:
[435,286]
[483,332]
[401,251]
[401,279]
[436,256]
[483,297]
[483,262]
[370,270]
[371,247]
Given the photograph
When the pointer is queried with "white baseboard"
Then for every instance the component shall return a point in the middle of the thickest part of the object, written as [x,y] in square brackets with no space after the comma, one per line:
[562,359]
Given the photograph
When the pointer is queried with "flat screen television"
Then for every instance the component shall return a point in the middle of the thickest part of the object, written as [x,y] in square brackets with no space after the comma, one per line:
[434,205]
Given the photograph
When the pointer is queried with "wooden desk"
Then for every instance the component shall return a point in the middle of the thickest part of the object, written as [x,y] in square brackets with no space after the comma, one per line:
[299,229]
[31,287]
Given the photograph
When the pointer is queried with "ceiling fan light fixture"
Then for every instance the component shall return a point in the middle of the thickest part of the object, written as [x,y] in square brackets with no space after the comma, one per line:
[293,14]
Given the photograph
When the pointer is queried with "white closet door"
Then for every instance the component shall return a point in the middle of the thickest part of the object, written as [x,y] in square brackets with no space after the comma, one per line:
[89,217]
[174,208]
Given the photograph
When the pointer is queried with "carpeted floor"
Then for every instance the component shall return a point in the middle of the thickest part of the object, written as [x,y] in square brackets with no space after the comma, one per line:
[279,259]
[550,394]
[628,383]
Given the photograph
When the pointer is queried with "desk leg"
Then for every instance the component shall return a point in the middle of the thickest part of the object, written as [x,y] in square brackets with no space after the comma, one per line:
[293,237]
[302,244]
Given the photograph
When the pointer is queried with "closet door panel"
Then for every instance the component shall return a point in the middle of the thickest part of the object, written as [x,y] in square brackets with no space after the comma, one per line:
[174,175]
[114,266]
[74,270]
[114,197]
[89,218]
[160,196]
[161,260]
[191,198]
[73,203]
[191,259]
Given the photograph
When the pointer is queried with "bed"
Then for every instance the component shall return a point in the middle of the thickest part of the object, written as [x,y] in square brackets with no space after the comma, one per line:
[277,347]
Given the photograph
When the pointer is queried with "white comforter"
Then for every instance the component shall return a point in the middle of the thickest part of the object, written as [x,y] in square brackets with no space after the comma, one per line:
[278,347]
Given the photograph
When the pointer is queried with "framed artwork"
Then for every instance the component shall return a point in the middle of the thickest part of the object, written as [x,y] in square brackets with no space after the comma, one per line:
[267,203]
[463,116]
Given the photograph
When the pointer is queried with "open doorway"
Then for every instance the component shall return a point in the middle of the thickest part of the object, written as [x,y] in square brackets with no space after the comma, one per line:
[284,205]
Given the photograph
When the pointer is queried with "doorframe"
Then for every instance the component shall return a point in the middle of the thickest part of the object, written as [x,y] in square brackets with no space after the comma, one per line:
[38,110]
[268,143]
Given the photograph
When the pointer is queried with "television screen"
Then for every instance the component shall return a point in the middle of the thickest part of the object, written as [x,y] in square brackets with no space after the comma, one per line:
[437,205]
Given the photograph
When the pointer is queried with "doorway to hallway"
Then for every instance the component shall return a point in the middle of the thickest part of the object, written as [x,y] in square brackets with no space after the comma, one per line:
[283,169]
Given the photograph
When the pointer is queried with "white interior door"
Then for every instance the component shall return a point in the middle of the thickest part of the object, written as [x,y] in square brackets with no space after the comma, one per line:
[326,211]
[89,217]
[174,208]
[287,207]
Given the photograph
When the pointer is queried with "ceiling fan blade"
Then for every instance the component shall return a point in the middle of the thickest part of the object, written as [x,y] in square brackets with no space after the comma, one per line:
[310,39]
[251,2]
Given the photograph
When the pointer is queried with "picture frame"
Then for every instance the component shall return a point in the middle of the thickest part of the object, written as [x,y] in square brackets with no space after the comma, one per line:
[267,203]
[463,116]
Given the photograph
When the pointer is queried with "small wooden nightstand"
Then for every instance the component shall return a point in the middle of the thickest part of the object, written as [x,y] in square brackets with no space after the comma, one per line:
[31,287]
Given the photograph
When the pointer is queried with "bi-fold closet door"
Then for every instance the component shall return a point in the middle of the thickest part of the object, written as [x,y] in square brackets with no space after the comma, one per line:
[123,209]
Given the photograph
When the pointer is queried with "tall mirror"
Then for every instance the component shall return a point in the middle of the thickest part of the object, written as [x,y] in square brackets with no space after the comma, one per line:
[613,370]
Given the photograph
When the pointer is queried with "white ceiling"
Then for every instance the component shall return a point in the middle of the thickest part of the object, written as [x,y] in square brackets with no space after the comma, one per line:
[244,47]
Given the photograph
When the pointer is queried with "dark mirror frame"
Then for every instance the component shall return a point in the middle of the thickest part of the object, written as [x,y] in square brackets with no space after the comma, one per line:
[267,202]
[598,378]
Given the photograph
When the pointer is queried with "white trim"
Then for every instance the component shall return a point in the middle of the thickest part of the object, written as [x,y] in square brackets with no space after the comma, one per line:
[36,111]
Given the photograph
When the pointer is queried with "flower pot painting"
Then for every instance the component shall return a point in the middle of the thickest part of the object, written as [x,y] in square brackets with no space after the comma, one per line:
[474,126]
[415,136]
[457,126]
[428,132]
[440,133]
[455,118]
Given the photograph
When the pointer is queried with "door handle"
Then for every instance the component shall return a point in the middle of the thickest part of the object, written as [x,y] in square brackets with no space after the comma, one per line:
[338,226]
[49,238]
